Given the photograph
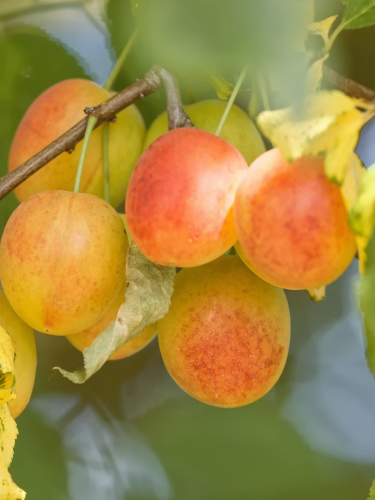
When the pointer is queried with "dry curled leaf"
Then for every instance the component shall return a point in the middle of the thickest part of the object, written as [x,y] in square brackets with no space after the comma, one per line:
[147,299]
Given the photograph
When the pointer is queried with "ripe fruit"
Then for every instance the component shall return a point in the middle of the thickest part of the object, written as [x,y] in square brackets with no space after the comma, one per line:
[53,113]
[180,198]
[62,260]
[84,339]
[292,223]
[239,129]
[225,338]
[23,340]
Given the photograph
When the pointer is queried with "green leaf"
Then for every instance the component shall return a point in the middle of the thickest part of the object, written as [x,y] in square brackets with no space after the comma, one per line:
[134,6]
[372,491]
[147,299]
[223,88]
[358,14]
[367,288]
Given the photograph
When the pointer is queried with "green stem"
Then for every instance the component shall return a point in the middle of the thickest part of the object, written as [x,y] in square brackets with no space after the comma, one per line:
[263,92]
[90,127]
[333,37]
[231,101]
[105,132]
[124,54]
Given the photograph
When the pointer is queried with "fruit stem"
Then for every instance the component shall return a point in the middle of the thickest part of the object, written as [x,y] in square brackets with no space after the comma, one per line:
[177,116]
[120,61]
[105,136]
[90,127]
[231,101]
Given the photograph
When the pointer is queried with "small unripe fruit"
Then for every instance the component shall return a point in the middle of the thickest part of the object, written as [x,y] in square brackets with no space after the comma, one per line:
[239,130]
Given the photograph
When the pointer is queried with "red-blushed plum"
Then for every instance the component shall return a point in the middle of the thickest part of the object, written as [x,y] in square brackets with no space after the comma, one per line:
[292,223]
[225,338]
[53,113]
[62,260]
[179,204]
[84,339]
[23,341]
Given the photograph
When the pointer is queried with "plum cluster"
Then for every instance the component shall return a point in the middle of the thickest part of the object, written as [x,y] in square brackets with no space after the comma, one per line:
[190,197]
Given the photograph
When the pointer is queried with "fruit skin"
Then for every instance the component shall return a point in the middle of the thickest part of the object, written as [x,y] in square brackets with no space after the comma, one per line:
[180,198]
[238,130]
[225,338]
[23,340]
[84,339]
[292,223]
[62,260]
[53,113]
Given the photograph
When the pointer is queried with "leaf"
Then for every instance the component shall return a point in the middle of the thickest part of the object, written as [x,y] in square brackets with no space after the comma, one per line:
[7,379]
[147,299]
[8,489]
[358,14]
[322,28]
[314,75]
[362,215]
[223,88]
[366,295]
[134,5]
[317,294]
[350,186]
[8,427]
[372,491]
[327,122]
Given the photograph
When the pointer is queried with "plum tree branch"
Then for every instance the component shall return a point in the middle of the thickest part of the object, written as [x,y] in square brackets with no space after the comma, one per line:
[348,86]
[105,111]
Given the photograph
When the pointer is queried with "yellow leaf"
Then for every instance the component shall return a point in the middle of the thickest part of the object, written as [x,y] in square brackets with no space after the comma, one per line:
[8,489]
[317,294]
[322,28]
[352,180]
[223,88]
[362,215]
[315,75]
[7,379]
[327,122]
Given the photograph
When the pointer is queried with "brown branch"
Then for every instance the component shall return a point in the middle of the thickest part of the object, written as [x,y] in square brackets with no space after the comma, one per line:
[66,142]
[348,86]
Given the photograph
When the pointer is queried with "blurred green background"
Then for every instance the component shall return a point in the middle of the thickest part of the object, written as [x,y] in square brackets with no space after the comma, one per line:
[130,432]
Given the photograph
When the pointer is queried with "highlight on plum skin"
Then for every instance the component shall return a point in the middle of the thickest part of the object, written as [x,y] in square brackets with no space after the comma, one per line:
[292,223]
[179,204]
[226,336]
